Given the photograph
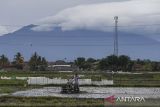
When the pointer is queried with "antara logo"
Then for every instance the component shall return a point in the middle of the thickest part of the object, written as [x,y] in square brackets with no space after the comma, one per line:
[112,99]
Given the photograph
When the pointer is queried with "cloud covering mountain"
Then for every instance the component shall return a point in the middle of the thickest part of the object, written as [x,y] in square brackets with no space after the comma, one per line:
[26,12]
[100,17]
[3,30]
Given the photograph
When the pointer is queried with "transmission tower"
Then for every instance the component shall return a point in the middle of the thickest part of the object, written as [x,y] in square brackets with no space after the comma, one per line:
[116,36]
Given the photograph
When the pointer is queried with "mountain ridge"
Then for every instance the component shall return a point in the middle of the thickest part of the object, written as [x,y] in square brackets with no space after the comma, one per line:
[58,44]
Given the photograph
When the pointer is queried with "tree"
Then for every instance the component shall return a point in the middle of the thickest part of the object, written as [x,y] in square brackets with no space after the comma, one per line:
[115,63]
[112,61]
[130,66]
[155,66]
[91,60]
[80,62]
[18,61]
[4,61]
[44,64]
[147,66]
[37,62]
[103,64]
[90,64]
[33,62]
[124,62]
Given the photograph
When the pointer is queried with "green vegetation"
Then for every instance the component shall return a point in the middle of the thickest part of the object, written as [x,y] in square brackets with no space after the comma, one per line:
[13,82]
[96,78]
[11,89]
[103,75]
[4,61]
[51,74]
[18,61]
[8,89]
[127,80]
[37,63]
[137,80]
[49,102]
[114,63]
[9,86]
[107,64]
[8,101]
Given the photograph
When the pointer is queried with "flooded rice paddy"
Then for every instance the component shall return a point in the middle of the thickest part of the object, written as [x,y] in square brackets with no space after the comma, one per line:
[93,92]
[89,92]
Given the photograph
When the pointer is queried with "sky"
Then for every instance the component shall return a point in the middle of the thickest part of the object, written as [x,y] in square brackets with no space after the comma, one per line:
[25,12]
[78,14]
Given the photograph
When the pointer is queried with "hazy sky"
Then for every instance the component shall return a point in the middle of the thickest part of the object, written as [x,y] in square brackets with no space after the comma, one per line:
[28,11]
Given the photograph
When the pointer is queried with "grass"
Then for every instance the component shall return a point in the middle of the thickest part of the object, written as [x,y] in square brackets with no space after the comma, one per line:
[49,102]
[10,101]
[10,89]
[120,80]
[51,75]
[10,86]
[137,80]
[13,82]
[137,83]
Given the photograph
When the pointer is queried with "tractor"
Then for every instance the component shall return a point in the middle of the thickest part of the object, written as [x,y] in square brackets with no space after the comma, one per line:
[72,86]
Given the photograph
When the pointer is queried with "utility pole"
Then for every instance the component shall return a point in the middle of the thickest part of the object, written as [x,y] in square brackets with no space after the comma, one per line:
[116,36]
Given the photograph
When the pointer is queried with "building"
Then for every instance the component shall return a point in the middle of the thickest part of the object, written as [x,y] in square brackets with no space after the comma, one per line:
[61,66]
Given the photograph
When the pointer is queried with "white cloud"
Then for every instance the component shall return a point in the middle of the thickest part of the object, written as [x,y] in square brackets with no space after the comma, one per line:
[3,30]
[96,16]
[23,12]
[7,29]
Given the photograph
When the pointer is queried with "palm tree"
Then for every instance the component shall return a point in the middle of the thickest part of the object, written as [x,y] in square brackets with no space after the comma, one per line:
[18,61]
[4,61]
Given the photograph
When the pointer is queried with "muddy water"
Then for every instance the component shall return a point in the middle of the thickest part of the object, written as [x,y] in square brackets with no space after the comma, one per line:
[94,92]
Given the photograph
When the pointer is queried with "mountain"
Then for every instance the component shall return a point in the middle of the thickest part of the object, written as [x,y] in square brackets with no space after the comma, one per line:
[58,44]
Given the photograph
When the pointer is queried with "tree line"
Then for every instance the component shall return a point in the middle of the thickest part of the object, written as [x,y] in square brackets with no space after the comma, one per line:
[117,63]
[35,63]
[109,63]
